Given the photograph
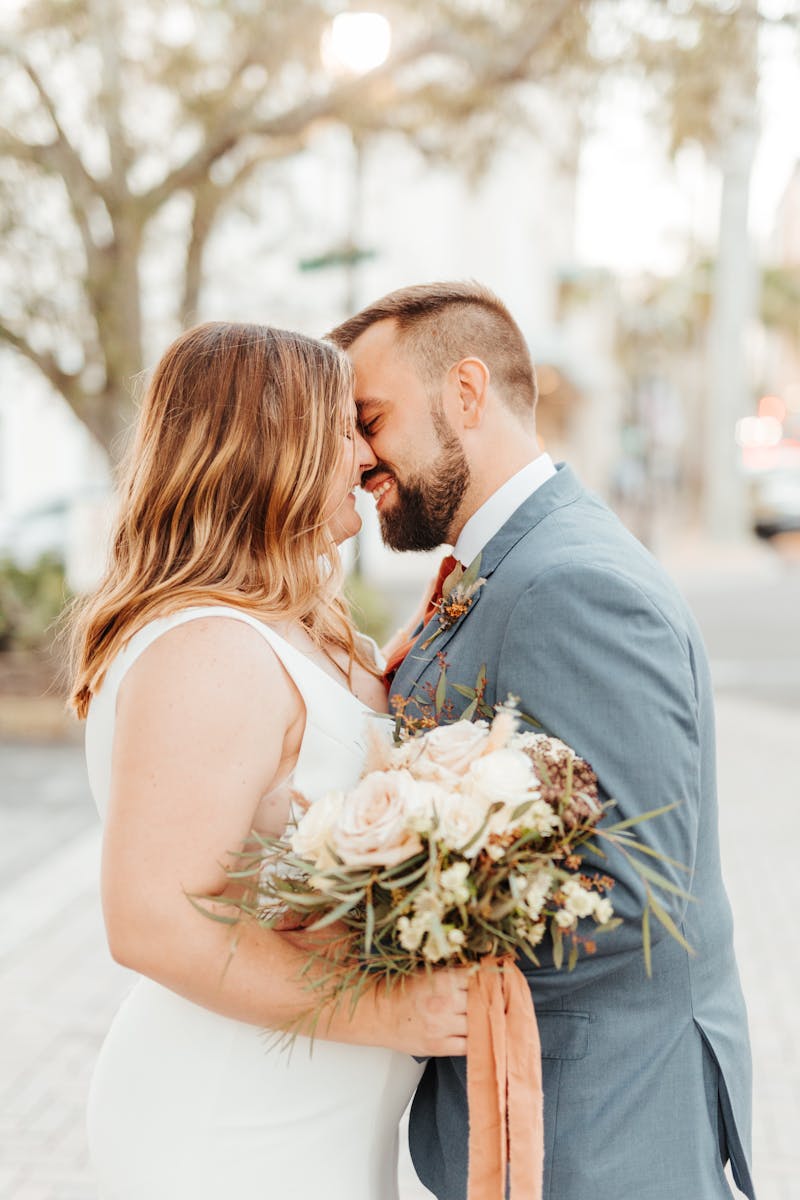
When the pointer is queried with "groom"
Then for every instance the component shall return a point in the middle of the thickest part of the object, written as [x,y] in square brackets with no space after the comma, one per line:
[646,1081]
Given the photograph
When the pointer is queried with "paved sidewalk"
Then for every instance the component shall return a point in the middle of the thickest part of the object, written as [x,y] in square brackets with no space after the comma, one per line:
[59,988]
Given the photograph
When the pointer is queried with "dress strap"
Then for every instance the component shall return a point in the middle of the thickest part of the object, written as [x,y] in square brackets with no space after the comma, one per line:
[305,673]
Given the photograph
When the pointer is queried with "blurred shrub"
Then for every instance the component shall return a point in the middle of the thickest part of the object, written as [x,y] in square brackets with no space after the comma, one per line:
[371,612]
[31,599]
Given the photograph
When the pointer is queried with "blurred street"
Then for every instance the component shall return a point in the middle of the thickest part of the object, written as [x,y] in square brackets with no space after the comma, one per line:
[60,988]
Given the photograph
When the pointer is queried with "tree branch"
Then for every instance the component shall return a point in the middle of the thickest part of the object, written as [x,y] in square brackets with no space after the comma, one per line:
[59,157]
[209,198]
[63,382]
[291,123]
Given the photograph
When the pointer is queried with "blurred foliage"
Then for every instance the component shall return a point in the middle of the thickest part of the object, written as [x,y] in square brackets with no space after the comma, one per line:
[31,600]
[115,114]
[370,610]
[780,300]
[668,315]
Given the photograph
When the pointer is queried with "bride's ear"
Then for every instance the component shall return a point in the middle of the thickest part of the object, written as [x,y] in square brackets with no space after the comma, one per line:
[471,377]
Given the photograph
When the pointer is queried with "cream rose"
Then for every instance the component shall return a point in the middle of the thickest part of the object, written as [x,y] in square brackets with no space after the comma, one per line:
[505,775]
[449,750]
[405,754]
[313,834]
[372,828]
[424,801]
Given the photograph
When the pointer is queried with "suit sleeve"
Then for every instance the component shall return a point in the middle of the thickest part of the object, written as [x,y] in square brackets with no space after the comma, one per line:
[594,660]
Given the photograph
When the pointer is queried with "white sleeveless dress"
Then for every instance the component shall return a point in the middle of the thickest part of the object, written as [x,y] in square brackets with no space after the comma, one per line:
[189,1105]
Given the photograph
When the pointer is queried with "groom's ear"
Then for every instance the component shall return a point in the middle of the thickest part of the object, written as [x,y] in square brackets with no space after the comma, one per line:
[471,377]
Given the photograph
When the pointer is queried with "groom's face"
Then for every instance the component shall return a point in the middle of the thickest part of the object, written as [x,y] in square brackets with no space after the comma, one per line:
[421,474]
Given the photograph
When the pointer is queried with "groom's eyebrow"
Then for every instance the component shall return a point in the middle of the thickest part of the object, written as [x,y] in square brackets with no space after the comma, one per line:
[370,402]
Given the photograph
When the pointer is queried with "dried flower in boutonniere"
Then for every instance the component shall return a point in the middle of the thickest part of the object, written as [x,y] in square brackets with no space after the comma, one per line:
[458,594]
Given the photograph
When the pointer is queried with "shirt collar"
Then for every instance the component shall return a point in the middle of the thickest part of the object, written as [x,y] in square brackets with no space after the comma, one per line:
[494,512]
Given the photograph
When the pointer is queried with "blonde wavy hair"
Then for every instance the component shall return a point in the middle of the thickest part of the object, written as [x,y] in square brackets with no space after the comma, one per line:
[224,494]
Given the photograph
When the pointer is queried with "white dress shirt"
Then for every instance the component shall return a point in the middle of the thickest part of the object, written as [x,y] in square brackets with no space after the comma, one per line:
[494,512]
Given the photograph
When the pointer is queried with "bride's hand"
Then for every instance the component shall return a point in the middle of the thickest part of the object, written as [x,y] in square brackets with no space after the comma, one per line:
[426,1013]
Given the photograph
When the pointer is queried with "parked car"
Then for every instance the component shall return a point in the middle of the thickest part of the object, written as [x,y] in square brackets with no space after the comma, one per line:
[776,501]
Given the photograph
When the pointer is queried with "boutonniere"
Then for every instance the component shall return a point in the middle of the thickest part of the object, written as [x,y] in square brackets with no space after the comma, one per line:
[458,594]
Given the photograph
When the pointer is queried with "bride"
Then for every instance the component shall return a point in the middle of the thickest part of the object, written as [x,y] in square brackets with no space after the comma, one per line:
[218,669]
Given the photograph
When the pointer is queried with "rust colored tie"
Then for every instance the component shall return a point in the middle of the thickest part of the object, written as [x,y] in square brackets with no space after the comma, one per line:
[447,566]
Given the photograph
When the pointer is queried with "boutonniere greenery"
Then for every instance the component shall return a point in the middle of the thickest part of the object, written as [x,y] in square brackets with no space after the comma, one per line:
[458,594]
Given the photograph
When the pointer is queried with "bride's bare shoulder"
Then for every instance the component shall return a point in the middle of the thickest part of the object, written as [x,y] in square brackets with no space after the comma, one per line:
[223,655]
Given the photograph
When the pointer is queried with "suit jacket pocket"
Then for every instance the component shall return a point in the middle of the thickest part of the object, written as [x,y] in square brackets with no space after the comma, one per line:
[564,1035]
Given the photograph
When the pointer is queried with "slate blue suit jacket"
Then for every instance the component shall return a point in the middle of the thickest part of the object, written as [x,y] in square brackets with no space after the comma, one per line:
[647,1082]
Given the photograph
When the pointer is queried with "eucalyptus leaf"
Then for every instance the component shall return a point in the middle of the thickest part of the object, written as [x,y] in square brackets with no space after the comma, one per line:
[441,692]
[472,573]
[648,958]
[661,881]
[666,920]
[558,944]
[648,816]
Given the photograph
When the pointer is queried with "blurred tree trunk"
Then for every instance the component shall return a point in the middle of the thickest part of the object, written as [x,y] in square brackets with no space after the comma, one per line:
[734,298]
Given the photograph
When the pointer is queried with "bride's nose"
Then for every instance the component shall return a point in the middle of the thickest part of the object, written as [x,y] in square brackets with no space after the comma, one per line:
[366,459]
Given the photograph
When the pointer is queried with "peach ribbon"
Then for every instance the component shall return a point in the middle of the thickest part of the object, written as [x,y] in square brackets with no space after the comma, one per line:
[504,1085]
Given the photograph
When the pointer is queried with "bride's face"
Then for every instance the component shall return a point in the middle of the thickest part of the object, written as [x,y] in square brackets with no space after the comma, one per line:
[340,511]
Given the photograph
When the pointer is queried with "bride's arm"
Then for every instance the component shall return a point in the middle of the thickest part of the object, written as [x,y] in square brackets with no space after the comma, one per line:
[202,718]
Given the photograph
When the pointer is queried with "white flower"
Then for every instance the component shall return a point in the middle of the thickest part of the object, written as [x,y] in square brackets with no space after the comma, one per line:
[456,937]
[438,944]
[313,834]
[410,933]
[578,900]
[540,817]
[461,819]
[505,775]
[603,910]
[536,932]
[565,919]
[454,883]
[372,827]
[425,925]
[448,751]
[541,743]
[537,892]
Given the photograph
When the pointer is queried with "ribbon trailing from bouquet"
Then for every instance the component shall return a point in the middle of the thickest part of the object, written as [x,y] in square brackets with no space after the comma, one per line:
[504,1085]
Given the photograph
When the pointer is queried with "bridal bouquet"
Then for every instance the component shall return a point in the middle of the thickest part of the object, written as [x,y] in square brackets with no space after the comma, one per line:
[464,843]
[461,842]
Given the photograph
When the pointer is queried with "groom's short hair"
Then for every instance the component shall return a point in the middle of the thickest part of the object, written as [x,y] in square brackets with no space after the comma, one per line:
[441,323]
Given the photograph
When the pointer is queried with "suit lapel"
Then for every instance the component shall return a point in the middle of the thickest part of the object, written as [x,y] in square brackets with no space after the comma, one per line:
[562,489]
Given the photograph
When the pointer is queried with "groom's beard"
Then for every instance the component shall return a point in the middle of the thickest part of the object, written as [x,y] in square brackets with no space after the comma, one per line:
[424,506]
